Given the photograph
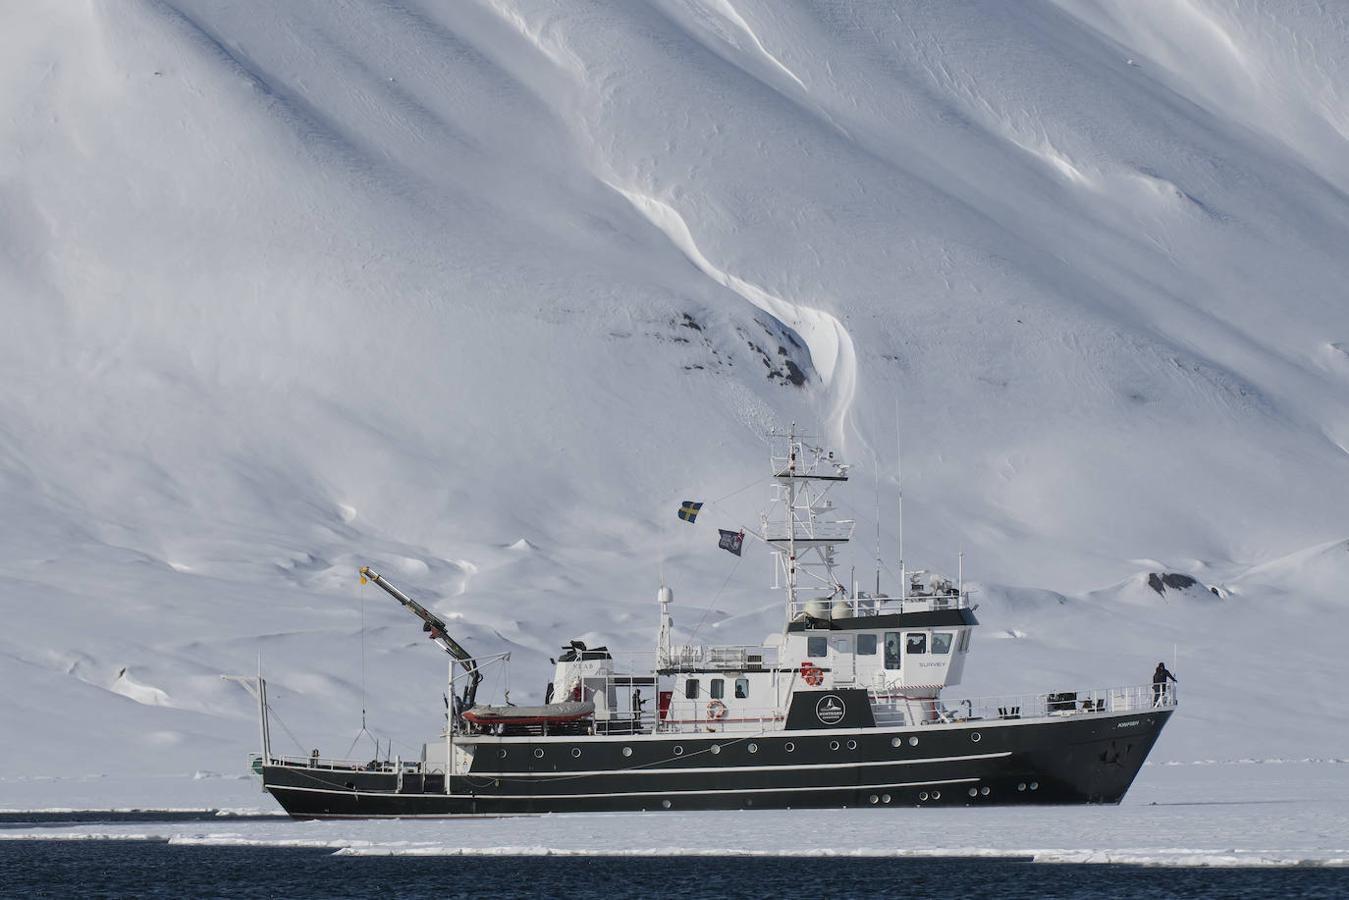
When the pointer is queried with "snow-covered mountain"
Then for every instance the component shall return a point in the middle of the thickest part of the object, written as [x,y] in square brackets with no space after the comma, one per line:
[477,292]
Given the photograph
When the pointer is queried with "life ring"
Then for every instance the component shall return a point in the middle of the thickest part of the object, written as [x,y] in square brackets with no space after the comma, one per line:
[812,674]
[716,710]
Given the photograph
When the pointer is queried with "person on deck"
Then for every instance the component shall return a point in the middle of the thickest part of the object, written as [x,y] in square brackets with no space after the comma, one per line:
[1159,678]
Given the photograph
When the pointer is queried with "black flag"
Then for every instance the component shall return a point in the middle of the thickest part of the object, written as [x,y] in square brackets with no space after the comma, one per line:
[731,540]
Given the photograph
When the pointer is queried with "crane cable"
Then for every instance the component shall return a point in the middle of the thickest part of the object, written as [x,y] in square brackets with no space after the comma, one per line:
[363,730]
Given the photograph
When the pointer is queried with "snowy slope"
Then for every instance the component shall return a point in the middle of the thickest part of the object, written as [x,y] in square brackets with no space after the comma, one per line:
[478,292]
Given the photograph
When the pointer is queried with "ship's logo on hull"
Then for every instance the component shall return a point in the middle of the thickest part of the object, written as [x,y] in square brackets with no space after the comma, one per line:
[830,709]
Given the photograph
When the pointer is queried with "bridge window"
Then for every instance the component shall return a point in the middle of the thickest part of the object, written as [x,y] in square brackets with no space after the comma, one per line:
[691,689]
[964,641]
[817,647]
[866,645]
[941,642]
[718,686]
[892,645]
[742,689]
[915,642]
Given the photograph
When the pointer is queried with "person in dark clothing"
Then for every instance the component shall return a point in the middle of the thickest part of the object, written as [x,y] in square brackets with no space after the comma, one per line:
[1160,676]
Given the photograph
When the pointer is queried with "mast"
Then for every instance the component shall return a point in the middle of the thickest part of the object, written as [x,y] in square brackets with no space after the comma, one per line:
[899,479]
[257,686]
[264,727]
[791,521]
[876,487]
[799,525]
[664,652]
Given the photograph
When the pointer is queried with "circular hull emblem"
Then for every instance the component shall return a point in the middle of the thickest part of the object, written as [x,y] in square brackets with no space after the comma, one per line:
[830,709]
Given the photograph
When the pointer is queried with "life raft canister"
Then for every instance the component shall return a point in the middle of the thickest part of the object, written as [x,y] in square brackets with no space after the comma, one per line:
[716,710]
[812,674]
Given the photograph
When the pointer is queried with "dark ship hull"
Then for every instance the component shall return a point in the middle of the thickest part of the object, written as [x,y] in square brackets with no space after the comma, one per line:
[1069,759]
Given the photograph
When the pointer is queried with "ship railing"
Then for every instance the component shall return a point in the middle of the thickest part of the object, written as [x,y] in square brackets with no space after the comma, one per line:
[732,657]
[811,531]
[737,720]
[865,604]
[347,765]
[891,707]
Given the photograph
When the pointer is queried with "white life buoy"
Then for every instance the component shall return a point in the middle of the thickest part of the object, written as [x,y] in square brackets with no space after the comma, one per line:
[716,710]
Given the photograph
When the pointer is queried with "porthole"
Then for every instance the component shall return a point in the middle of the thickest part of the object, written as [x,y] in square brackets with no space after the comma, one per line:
[627,751]
[896,742]
[874,799]
[678,751]
[833,745]
[936,795]
[665,804]
[501,753]
[852,745]
[923,795]
[538,753]
[789,747]
[1035,785]
[913,742]
[716,748]
[984,791]
[974,792]
[976,737]
[753,748]
[1021,786]
[885,798]
[575,752]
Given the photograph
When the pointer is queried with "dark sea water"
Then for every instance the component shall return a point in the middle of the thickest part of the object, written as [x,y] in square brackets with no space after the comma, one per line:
[64,818]
[154,869]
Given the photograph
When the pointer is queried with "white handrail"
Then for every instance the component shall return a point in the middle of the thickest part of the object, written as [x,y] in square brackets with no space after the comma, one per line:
[888,704]
[876,605]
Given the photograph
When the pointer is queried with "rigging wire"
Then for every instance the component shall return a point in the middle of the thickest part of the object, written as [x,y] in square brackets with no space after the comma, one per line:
[364,730]
[271,712]
[706,611]
[741,490]
[362,660]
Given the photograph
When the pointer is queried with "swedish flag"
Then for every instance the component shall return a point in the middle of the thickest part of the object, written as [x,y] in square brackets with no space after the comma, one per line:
[689,511]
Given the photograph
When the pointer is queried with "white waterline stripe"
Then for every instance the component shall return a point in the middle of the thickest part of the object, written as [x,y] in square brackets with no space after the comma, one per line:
[731,791]
[723,769]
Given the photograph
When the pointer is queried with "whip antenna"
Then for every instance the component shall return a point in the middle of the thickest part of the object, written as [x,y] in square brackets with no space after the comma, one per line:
[899,478]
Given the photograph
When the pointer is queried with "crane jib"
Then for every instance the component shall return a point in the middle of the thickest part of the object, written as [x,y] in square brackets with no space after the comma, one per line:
[438,630]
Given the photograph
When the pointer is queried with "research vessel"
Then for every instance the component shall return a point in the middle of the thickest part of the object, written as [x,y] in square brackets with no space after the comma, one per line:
[845,706]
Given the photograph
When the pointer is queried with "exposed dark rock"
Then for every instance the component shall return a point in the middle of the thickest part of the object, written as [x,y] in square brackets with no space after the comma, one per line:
[788,373]
[1159,582]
